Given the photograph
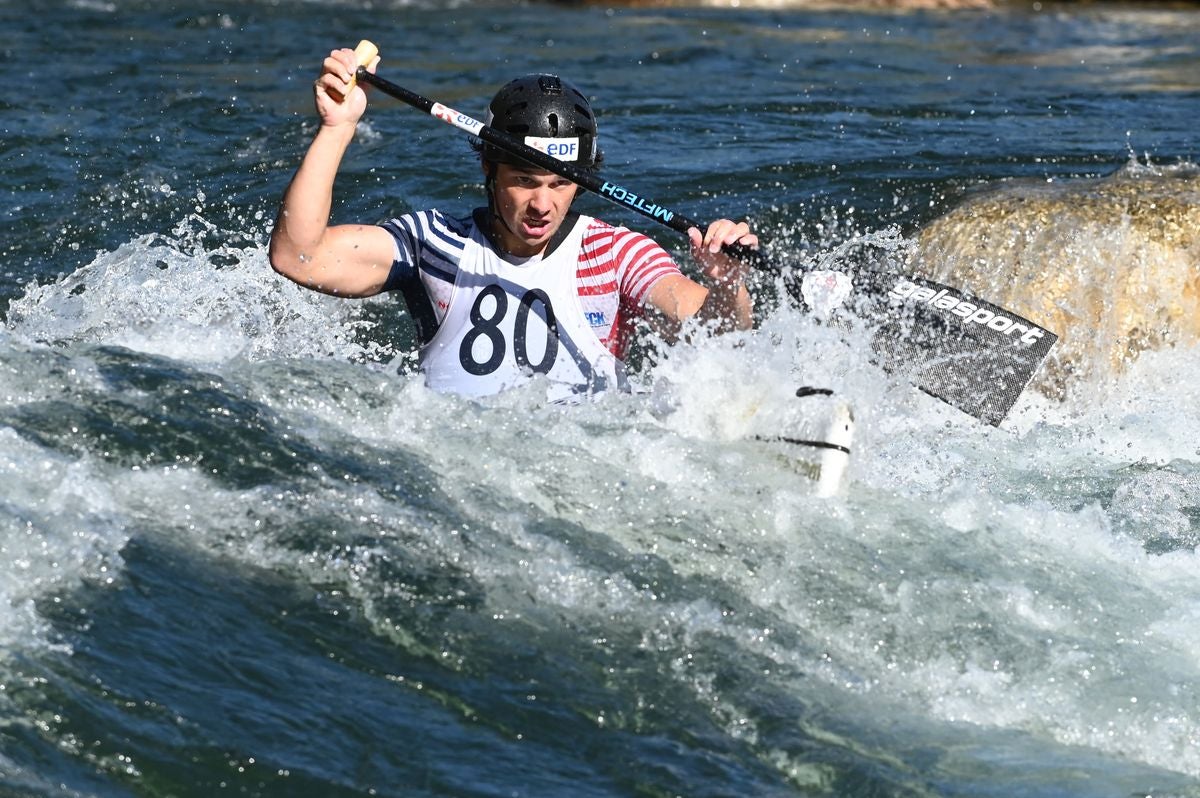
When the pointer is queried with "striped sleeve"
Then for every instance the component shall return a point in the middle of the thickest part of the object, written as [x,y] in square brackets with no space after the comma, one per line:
[427,244]
[630,260]
[427,249]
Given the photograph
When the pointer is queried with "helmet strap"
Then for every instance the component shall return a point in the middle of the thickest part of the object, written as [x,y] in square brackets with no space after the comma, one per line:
[489,187]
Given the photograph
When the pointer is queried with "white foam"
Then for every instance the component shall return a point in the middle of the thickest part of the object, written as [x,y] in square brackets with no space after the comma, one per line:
[60,525]
[174,296]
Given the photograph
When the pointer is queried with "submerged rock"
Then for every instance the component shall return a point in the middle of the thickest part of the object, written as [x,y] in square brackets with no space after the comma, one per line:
[1112,264]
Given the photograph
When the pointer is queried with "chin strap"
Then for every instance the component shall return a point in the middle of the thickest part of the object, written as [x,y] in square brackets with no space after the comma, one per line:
[489,188]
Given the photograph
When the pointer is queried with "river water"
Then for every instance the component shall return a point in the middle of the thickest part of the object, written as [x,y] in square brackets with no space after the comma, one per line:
[244,551]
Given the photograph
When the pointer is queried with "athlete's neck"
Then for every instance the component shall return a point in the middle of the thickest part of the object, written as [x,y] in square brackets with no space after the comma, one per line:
[502,239]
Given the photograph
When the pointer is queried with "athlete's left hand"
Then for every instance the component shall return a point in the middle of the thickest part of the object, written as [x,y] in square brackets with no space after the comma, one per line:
[716,265]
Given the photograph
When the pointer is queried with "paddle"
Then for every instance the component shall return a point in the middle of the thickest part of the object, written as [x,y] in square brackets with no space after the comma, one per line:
[969,353]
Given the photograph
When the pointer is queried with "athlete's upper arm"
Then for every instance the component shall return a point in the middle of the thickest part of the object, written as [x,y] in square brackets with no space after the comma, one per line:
[351,260]
[640,264]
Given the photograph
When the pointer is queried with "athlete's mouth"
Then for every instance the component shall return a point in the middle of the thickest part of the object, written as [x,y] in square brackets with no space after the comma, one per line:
[534,228]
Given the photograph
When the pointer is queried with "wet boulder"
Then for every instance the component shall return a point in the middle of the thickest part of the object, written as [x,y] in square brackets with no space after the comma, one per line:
[1112,264]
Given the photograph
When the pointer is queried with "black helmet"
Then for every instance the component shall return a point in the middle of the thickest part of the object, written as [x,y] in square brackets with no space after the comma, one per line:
[548,114]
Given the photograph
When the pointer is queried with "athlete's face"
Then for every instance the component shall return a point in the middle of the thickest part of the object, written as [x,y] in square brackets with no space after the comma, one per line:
[532,204]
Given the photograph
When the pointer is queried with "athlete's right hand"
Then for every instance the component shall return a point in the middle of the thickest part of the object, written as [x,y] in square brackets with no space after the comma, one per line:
[337,103]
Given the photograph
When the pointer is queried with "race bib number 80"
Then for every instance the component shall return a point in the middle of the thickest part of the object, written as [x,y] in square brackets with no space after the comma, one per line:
[484,347]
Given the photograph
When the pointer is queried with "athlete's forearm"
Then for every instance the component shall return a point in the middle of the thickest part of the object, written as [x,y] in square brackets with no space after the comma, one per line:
[727,301]
[724,304]
[728,304]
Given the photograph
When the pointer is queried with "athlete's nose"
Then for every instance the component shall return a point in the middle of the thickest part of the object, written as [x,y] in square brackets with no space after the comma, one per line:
[542,200]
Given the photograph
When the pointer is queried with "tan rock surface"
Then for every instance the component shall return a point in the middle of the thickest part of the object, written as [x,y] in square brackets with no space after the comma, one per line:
[1112,265]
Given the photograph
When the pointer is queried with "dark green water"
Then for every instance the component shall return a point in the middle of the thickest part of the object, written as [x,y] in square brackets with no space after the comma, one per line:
[240,554]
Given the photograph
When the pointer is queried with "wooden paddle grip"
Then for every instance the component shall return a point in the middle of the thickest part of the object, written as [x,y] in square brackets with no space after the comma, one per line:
[364,54]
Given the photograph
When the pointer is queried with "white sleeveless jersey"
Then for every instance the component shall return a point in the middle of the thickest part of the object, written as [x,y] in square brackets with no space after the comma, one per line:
[506,324]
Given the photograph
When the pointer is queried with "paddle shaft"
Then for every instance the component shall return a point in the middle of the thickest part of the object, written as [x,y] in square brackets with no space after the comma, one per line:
[605,188]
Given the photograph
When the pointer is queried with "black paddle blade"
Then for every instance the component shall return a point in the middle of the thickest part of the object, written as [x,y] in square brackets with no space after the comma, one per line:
[969,353]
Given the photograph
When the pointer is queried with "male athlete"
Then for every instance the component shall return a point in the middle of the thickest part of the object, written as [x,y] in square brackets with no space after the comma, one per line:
[523,287]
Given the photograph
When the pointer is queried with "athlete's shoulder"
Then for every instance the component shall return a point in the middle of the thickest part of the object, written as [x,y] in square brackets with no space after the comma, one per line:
[621,243]
[598,228]
[421,225]
[597,224]
[601,232]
